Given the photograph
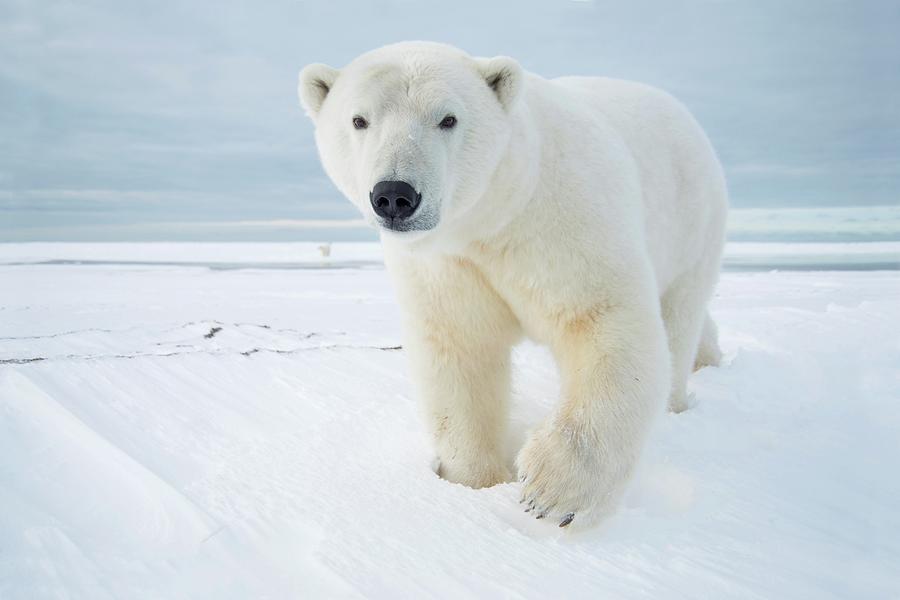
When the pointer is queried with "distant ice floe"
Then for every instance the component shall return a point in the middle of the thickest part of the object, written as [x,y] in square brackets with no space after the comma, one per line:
[751,256]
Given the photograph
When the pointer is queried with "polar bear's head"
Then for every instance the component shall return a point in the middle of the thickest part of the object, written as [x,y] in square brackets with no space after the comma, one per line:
[412,133]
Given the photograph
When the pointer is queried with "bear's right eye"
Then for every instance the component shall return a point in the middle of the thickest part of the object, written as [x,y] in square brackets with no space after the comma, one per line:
[360,123]
[449,122]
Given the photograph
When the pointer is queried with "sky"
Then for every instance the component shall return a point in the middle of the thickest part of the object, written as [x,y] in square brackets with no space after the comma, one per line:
[180,120]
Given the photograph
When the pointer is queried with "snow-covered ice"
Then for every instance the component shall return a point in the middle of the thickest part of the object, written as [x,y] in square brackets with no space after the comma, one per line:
[171,430]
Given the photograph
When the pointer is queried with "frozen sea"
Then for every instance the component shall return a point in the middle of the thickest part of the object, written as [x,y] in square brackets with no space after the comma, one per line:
[199,420]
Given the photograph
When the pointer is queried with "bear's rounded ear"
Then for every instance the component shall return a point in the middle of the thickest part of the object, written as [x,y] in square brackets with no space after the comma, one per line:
[315,83]
[504,76]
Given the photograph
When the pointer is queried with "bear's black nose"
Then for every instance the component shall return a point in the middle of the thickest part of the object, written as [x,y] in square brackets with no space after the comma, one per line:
[394,199]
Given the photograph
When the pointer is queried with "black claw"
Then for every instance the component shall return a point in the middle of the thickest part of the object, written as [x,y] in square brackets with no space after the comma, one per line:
[541,516]
[528,509]
[567,519]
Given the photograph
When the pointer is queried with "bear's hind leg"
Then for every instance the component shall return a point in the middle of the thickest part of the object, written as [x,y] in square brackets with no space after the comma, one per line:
[684,311]
[708,352]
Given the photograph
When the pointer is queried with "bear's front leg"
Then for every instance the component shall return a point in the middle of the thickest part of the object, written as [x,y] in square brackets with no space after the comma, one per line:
[614,367]
[459,335]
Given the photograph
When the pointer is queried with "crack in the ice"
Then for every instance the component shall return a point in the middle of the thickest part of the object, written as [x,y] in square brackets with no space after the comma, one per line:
[217,326]
[62,333]
[21,361]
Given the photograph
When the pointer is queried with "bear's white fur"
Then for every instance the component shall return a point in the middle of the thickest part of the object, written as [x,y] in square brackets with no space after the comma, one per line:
[585,213]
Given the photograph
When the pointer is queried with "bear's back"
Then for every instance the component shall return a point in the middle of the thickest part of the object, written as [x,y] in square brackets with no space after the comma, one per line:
[683,187]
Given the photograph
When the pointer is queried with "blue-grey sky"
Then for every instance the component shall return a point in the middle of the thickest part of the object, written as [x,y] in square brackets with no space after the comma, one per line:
[160,120]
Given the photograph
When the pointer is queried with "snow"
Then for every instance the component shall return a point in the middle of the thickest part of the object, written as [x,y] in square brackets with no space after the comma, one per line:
[171,430]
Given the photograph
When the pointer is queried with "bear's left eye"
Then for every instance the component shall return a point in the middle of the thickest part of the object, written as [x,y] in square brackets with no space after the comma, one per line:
[449,122]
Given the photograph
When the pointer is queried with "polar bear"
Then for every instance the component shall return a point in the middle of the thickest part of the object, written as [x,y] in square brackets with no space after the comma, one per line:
[585,213]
